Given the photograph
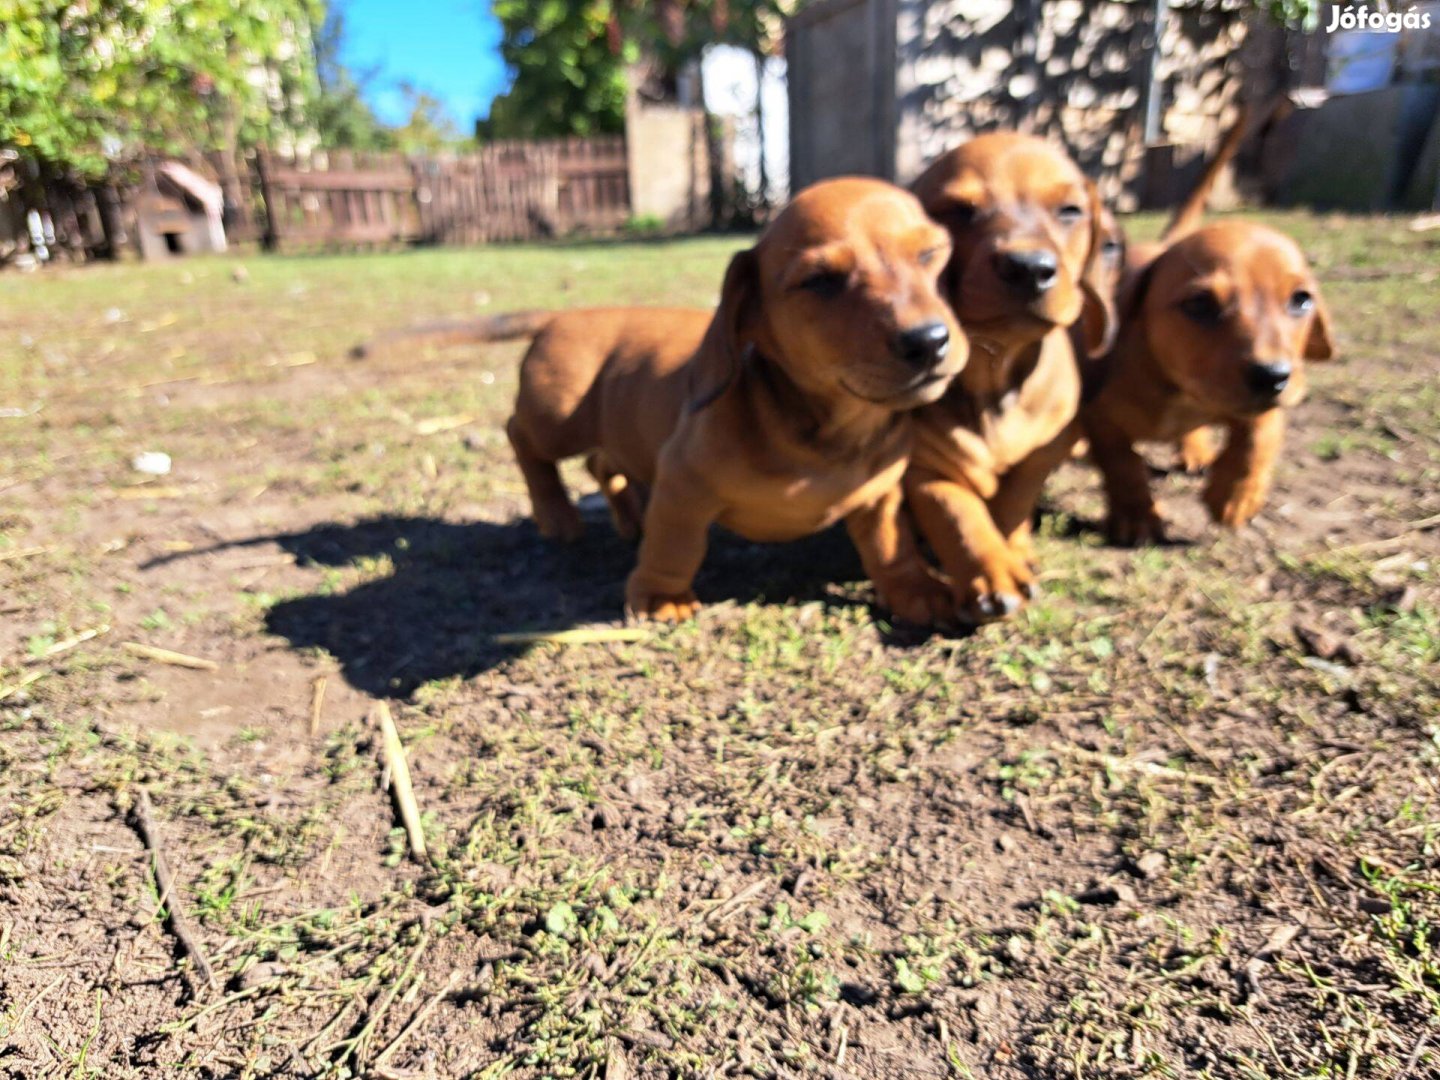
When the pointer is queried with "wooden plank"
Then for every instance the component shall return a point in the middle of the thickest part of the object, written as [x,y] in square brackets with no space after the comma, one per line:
[329,181]
[327,233]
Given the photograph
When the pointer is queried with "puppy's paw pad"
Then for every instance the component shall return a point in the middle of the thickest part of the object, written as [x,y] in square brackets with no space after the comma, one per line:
[1135,528]
[1198,452]
[998,591]
[561,527]
[641,606]
[1234,509]
[923,601]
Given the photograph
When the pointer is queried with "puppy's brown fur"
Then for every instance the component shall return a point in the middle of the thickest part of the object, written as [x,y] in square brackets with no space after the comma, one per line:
[1012,204]
[1199,448]
[1106,273]
[790,416]
[506,326]
[1216,329]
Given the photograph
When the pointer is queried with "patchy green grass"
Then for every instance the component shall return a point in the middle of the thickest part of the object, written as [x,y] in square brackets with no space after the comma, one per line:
[1177,819]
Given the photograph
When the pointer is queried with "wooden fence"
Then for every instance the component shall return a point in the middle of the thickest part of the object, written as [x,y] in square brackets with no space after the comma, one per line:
[518,190]
[72,225]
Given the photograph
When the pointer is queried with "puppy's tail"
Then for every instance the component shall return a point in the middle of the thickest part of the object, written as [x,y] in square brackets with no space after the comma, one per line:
[1187,217]
[508,326]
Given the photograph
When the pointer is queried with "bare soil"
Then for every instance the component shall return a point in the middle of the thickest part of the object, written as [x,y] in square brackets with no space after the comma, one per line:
[1179,819]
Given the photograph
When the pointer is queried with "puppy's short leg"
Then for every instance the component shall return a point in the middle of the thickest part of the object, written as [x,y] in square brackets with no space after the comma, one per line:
[1132,517]
[555,515]
[989,581]
[904,584]
[1013,506]
[627,510]
[1240,478]
[672,547]
[1198,450]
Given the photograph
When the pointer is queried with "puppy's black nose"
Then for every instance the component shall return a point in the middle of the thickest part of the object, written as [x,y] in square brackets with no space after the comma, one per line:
[1030,272]
[1268,380]
[923,346]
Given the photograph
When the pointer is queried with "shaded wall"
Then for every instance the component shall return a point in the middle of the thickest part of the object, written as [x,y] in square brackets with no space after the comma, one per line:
[840,59]
[935,72]
[1373,151]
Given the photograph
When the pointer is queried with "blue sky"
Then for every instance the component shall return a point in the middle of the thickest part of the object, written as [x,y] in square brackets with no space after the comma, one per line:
[450,48]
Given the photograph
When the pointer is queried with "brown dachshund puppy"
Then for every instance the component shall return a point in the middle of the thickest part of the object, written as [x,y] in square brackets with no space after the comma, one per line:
[791,415]
[1216,329]
[1028,263]
[1104,277]
[1108,271]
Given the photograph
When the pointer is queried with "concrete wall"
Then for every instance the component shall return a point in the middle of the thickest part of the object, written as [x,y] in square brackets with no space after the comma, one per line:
[669,164]
[841,70]
[1423,191]
[1366,151]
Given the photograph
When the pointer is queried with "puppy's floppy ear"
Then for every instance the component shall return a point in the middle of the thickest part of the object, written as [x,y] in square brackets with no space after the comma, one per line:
[731,330]
[1134,286]
[1321,343]
[1099,322]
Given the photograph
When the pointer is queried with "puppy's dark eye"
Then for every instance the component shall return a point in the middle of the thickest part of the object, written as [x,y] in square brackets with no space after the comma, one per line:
[930,256]
[960,214]
[1070,213]
[1204,308]
[827,284]
[1111,251]
[1301,303]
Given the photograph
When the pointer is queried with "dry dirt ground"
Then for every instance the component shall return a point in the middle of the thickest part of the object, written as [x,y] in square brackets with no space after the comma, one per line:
[1180,819]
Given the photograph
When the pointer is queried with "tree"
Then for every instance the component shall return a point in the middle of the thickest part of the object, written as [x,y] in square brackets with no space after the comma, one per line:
[1298,13]
[568,61]
[85,83]
[429,129]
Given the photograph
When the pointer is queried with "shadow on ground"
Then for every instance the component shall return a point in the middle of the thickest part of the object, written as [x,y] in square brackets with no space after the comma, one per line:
[455,586]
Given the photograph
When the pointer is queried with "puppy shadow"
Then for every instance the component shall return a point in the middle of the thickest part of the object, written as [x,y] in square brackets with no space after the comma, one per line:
[1068,525]
[452,587]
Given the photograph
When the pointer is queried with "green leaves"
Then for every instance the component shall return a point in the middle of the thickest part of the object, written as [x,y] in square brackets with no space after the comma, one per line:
[81,83]
[1300,14]
[914,980]
[811,923]
[570,60]
[561,920]
[569,80]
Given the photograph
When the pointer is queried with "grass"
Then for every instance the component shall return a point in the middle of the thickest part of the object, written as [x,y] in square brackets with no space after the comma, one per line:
[1139,832]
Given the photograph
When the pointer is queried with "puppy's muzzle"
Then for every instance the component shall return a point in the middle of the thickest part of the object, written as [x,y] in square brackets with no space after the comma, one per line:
[922,347]
[1028,273]
[1268,380]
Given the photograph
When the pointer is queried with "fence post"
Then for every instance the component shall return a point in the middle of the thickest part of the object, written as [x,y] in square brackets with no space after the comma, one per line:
[107,203]
[271,237]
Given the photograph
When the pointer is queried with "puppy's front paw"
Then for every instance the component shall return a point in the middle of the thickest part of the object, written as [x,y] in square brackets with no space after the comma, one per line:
[922,598]
[1198,450]
[644,602]
[559,522]
[1234,505]
[998,588]
[1135,526]
[1022,548]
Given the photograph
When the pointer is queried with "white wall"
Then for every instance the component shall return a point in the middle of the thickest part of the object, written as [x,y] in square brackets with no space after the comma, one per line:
[731,78]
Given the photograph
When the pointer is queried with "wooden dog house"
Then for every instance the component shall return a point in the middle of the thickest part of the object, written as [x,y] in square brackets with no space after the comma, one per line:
[179,212]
